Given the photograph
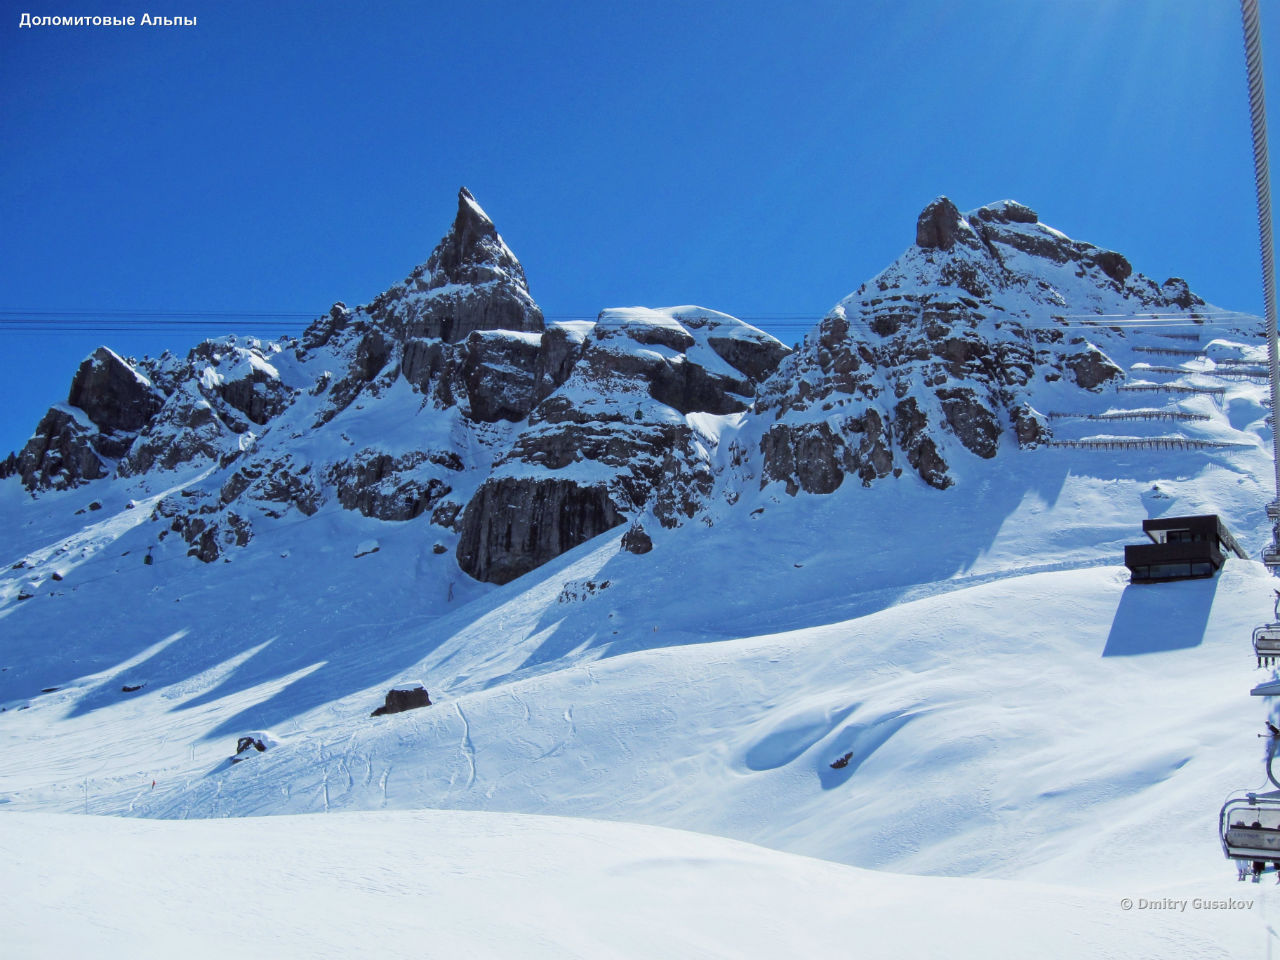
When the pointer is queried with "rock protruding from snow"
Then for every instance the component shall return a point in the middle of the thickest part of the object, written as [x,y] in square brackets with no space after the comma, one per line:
[224,391]
[939,224]
[636,540]
[115,396]
[514,524]
[108,403]
[256,741]
[403,697]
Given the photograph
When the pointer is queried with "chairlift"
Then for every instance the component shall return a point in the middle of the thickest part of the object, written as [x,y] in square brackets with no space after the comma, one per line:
[1266,644]
[1249,823]
[1249,826]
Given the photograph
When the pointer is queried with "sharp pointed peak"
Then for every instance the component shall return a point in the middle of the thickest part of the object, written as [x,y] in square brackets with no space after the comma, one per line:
[470,212]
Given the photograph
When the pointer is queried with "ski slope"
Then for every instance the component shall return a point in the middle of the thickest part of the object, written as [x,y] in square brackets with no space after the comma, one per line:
[440,884]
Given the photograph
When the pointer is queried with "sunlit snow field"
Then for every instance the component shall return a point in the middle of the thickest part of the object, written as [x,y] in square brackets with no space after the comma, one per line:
[1017,718]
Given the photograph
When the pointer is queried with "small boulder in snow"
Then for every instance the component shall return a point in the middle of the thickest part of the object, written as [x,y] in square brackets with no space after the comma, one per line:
[636,540]
[254,741]
[406,696]
[367,547]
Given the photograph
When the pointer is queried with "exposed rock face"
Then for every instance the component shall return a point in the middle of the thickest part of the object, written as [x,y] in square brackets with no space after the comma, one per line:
[939,224]
[186,431]
[61,453]
[1092,368]
[502,372]
[199,520]
[462,329]
[224,390]
[392,488]
[513,525]
[816,457]
[942,354]
[243,378]
[108,403]
[615,440]
[114,396]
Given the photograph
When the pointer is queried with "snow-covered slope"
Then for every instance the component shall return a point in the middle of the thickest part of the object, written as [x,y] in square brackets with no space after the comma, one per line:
[449,884]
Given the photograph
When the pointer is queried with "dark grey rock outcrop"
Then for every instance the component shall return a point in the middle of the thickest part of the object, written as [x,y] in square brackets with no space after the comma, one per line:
[108,403]
[636,540]
[400,699]
[393,488]
[939,225]
[61,453]
[472,281]
[513,525]
[114,396]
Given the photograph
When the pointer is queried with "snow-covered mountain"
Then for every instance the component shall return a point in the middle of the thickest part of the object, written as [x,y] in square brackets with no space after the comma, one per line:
[860,601]
[447,395]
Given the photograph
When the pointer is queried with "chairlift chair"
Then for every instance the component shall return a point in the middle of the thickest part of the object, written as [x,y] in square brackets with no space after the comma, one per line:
[1266,644]
[1249,826]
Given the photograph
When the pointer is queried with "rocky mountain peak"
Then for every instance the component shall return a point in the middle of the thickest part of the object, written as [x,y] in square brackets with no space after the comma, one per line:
[953,350]
[472,252]
[114,395]
[939,224]
[108,404]
[472,281]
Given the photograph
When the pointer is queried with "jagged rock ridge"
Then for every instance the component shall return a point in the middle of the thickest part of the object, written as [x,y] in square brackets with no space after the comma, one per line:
[449,401]
[950,351]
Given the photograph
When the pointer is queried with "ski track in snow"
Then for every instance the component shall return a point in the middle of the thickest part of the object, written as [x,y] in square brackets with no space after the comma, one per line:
[468,749]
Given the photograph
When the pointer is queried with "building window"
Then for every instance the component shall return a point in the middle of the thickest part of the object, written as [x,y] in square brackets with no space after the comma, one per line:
[1168,571]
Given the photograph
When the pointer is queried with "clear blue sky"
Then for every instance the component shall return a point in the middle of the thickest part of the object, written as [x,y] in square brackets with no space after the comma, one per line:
[758,158]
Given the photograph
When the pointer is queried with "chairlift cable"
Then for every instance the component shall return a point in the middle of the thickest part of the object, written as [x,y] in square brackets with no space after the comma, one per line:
[1262,183]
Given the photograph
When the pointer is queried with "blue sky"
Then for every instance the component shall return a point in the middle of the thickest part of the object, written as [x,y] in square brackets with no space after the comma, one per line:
[758,158]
